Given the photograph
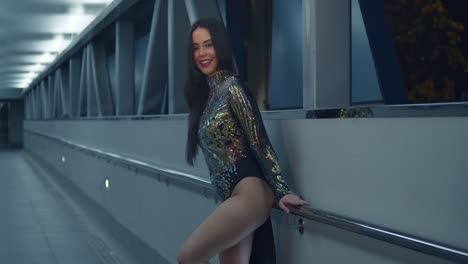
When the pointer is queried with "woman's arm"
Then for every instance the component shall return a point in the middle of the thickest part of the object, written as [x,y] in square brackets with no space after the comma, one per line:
[246,111]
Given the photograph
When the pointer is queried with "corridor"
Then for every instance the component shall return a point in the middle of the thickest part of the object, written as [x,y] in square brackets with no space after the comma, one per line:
[39,224]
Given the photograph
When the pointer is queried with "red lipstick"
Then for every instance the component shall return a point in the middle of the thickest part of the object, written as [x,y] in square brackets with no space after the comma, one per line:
[205,63]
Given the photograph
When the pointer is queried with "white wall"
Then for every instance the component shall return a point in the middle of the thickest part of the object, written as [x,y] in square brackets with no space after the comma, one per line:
[407,174]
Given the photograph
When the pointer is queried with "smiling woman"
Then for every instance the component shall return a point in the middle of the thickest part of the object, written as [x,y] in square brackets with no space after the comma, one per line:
[203,51]
[225,121]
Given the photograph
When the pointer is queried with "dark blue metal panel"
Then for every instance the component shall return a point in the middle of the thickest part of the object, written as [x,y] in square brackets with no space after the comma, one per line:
[235,23]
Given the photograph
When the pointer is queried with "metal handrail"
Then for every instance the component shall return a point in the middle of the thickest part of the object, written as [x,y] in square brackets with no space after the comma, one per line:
[387,235]
[178,175]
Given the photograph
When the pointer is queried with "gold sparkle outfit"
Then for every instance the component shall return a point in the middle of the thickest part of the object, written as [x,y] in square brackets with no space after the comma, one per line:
[233,138]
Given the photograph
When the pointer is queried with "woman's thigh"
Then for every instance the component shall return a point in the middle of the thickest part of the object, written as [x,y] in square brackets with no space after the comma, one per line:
[239,253]
[231,222]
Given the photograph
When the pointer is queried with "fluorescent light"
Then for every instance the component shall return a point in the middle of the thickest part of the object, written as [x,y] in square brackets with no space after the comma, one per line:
[77,20]
[26,80]
[38,67]
[32,75]
[22,85]
[47,58]
[58,44]
[96,1]
[70,25]
[77,10]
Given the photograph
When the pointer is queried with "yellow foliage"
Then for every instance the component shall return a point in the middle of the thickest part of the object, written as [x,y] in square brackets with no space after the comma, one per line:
[428,44]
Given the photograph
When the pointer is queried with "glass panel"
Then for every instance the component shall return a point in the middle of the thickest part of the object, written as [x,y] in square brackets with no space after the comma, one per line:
[365,86]
[432,48]
[141,48]
[266,37]
[111,60]
[286,55]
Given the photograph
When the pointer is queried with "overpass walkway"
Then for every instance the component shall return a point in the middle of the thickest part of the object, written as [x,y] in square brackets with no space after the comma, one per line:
[39,223]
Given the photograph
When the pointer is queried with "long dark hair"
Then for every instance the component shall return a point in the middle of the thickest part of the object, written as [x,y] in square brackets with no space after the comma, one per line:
[196,86]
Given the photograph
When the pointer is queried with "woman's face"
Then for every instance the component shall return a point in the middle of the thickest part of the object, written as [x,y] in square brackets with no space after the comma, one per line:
[204,53]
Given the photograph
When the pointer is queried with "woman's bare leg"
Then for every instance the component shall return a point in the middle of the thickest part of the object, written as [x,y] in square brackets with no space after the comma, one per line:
[234,220]
[239,253]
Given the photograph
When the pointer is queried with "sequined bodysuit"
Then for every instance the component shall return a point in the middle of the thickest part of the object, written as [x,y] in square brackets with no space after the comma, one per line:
[233,138]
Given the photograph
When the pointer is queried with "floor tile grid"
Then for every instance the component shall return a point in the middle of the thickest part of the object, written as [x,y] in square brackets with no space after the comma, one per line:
[90,233]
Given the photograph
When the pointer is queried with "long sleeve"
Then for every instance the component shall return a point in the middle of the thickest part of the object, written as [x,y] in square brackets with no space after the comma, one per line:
[246,111]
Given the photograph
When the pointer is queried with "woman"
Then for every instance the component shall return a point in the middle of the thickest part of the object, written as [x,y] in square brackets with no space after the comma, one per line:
[225,122]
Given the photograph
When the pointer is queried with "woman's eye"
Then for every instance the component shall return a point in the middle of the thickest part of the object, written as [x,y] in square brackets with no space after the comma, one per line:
[208,45]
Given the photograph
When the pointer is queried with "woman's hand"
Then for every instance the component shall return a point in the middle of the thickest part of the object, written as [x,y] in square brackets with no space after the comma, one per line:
[291,200]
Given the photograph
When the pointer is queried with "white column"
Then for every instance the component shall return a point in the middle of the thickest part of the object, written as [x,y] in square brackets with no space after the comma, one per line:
[327,54]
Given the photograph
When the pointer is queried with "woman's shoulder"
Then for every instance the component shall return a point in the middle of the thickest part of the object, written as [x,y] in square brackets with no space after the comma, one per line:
[234,84]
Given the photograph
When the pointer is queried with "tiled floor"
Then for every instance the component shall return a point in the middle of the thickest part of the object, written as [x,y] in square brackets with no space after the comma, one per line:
[37,223]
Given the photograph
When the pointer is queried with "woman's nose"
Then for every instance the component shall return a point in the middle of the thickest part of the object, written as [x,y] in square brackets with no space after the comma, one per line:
[202,51]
